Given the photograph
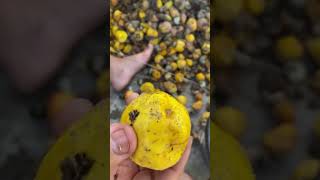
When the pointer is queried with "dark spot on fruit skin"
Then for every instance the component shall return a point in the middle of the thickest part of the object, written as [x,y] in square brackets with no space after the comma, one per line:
[133,115]
[76,167]
[168,112]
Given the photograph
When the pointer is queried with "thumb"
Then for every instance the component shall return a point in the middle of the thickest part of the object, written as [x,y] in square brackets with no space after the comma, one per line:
[123,143]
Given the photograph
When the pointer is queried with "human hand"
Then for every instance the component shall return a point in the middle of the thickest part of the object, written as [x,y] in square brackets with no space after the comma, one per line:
[123,143]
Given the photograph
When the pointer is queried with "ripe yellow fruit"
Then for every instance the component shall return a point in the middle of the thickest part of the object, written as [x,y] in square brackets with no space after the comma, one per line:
[206,115]
[229,160]
[117,15]
[155,41]
[174,66]
[182,99]
[158,58]
[162,126]
[147,87]
[152,32]
[224,49]
[121,36]
[281,139]
[189,62]
[159,4]
[190,37]
[179,77]
[180,45]
[181,63]
[197,105]
[231,120]
[289,48]
[156,74]
[200,77]
[192,24]
[205,47]
[142,14]
[170,87]
[127,48]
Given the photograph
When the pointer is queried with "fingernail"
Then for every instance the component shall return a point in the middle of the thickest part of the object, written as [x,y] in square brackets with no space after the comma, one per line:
[120,143]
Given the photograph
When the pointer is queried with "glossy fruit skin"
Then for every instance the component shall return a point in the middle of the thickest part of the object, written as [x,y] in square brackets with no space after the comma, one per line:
[162,126]
[228,159]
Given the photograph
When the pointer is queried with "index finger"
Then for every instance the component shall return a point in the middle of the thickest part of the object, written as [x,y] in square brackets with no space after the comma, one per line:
[179,167]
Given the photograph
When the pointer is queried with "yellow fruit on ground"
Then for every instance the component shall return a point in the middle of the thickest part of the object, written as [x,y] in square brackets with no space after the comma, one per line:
[162,126]
[224,49]
[200,77]
[289,48]
[182,99]
[127,48]
[228,159]
[159,4]
[192,24]
[121,36]
[189,62]
[158,58]
[117,15]
[147,87]
[205,47]
[180,44]
[152,32]
[281,139]
[156,74]
[231,120]
[174,66]
[170,87]
[142,14]
[197,105]
[190,37]
[181,63]
[179,77]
